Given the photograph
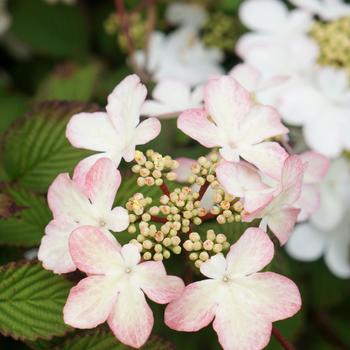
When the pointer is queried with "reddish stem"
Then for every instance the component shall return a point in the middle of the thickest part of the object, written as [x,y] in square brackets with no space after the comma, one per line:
[203,189]
[123,16]
[158,219]
[208,216]
[165,189]
[283,341]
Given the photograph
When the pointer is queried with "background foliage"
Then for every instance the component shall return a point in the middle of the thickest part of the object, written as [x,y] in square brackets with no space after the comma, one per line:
[56,61]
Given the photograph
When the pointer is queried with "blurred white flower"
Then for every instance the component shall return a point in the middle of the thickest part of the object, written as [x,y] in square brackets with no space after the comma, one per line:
[328,232]
[5,17]
[325,9]
[170,98]
[278,38]
[320,102]
[191,15]
[180,55]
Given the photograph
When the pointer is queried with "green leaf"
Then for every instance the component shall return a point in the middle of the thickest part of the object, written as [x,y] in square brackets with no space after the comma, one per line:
[36,149]
[70,82]
[31,302]
[59,31]
[26,223]
[12,107]
[105,340]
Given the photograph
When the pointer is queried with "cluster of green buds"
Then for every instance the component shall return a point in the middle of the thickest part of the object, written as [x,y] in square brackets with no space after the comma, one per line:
[200,250]
[226,208]
[204,171]
[136,29]
[221,31]
[333,39]
[153,168]
[167,226]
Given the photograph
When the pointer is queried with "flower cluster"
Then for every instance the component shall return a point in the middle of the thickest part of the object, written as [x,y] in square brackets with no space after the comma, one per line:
[246,177]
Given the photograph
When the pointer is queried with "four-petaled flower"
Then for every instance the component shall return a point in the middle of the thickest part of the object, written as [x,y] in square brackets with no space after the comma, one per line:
[74,204]
[118,131]
[231,121]
[242,302]
[115,287]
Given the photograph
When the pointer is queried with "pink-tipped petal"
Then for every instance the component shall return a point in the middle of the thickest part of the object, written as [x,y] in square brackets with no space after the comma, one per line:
[293,170]
[125,102]
[90,302]
[102,183]
[183,171]
[251,253]
[317,166]
[308,202]
[226,102]
[238,325]
[53,250]
[131,255]
[283,222]
[254,200]
[292,179]
[85,165]
[244,181]
[156,284]
[246,75]
[266,156]
[215,267]
[67,200]
[238,178]
[195,309]
[94,253]
[93,131]
[131,319]
[194,123]
[262,122]
[146,131]
[276,295]
[118,219]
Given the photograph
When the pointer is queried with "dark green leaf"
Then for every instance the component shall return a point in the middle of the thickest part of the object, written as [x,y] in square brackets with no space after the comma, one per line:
[31,301]
[36,149]
[27,220]
[69,82]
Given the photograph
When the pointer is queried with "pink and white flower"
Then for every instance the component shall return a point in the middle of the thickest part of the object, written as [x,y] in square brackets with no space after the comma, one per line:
[116,132]
[326,9]
[115,288]
[171,97]
[242,301]
[231,121]
[74,204]
[280,214]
